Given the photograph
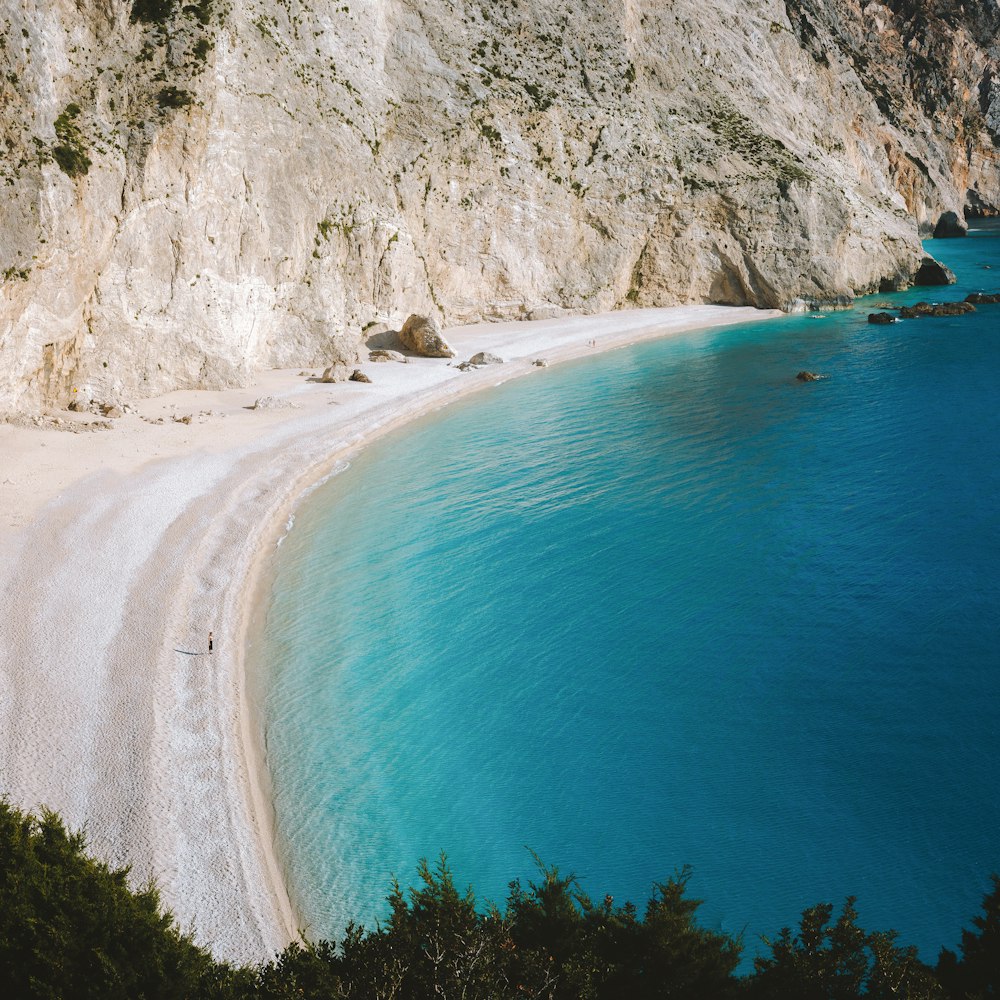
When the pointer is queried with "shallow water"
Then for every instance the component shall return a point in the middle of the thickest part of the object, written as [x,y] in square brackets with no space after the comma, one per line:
[659,607]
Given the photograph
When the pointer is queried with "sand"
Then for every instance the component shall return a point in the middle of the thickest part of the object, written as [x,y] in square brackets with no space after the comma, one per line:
[121,549]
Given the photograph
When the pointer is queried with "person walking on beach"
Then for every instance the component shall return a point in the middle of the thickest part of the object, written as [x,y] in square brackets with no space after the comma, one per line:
[210,642]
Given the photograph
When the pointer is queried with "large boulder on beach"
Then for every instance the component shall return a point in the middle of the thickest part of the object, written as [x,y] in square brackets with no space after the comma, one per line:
[421,335]
[335,373]
[485,358]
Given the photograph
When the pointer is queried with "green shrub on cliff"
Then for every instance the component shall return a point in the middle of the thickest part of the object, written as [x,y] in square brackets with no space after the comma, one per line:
[70,152]
[152,11]
[71,927]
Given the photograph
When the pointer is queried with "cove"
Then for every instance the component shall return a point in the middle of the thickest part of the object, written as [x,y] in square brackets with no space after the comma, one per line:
[659,607]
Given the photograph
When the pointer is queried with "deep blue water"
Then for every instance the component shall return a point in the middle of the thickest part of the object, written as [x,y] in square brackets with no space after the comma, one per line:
[659,607]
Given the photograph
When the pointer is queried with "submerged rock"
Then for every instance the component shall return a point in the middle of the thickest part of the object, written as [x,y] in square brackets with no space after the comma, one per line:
[809,376]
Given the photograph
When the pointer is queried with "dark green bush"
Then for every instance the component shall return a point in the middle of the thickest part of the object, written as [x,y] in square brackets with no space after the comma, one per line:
[152,11]
[70,152]
[172,97]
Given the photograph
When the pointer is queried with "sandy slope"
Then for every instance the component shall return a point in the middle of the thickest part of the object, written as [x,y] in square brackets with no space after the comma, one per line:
[121,549]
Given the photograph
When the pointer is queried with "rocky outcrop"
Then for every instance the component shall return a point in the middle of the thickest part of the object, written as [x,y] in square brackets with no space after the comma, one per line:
[193,190]
[932,272]
[881,318]
[983,298]
[421,335]
[936,309]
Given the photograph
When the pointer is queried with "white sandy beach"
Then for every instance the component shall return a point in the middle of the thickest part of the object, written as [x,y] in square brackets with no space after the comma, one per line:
[120,549]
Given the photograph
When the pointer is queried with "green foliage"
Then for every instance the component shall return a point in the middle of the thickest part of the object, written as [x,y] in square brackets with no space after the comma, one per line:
[201,10]
[172,97]
[977,974]
[740,135]
[71,927]
[839,961]
[70,152]
[152,11]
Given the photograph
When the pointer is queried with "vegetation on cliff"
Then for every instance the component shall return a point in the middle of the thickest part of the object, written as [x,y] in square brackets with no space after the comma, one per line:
[71,927]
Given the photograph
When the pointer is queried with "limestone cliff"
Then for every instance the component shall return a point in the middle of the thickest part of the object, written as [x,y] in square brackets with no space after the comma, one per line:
[196,188]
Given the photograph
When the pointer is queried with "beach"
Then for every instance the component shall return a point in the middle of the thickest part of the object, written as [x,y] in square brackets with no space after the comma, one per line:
[123,548]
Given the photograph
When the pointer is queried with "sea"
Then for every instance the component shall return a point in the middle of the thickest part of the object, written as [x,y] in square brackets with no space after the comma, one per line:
[661,607]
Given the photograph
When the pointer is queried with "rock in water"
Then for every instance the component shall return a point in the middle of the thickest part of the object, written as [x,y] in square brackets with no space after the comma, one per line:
[808,377]
[983,298]
[932,272]
[881,318]
[421,335]
[936,309]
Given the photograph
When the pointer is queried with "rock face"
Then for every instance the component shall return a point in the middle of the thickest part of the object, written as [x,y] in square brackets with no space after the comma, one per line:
[931,272]
[196,189]
[421,335]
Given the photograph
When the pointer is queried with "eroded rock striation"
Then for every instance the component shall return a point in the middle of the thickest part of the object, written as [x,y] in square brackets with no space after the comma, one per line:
[194,190]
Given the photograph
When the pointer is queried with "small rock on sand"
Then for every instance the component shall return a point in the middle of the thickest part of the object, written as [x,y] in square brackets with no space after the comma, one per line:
[273,403]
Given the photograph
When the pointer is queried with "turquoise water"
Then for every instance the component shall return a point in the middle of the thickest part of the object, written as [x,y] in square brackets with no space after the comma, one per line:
[664,606]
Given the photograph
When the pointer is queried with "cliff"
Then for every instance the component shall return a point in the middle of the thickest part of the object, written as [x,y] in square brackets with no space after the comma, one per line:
[196,189]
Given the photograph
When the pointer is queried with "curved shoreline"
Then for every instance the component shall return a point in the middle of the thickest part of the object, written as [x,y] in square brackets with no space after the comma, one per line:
[126,547]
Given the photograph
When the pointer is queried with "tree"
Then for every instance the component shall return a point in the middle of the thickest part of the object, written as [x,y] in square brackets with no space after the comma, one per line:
[71,926]
[977,974]
[839,961]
